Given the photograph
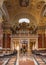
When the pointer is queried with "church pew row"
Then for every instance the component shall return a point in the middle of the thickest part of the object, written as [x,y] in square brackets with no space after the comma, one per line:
[40,56]
[7,53]
[43,58]
[12,61]
[39,52]
[7,60]
[5,56]
[39,60]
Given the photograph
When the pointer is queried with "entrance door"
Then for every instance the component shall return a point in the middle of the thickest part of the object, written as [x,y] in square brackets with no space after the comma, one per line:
[23,46]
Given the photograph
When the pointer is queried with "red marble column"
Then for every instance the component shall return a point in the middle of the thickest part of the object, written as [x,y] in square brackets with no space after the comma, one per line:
[39,40]
[3,40]
[6,41]
[45,41]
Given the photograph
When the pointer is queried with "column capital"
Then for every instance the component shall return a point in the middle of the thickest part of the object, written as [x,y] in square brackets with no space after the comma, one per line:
[7,32]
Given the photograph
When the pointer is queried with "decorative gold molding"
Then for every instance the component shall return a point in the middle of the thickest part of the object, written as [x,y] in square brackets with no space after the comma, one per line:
[41,48]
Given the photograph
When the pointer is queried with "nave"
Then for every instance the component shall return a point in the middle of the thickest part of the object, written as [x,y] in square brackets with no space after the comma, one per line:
[24,59]
[22,32]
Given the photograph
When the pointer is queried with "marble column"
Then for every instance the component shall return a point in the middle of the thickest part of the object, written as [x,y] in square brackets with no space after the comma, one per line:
[29,50]
[6,41]
[1,35]
[1,29]
[36,44]
[39,40]
[45,39]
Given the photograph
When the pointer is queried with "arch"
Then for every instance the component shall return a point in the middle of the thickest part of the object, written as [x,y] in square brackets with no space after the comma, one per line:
[4,10]
[25,15]
[43,11]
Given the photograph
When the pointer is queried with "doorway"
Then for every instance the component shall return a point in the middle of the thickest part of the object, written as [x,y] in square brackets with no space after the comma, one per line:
[23,46]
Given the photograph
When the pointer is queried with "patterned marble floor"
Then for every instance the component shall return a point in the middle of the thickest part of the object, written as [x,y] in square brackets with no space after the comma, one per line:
[26,61]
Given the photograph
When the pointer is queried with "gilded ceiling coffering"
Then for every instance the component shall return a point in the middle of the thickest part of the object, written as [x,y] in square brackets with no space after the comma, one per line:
[34,10]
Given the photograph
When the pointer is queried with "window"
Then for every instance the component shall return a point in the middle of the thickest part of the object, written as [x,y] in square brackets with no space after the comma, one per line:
[24,20]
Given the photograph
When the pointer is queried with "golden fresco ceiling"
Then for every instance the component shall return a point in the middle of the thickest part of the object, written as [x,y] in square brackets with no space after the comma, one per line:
[34,10]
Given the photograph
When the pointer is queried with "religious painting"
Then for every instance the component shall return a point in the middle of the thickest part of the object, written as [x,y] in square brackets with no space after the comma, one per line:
[24,3]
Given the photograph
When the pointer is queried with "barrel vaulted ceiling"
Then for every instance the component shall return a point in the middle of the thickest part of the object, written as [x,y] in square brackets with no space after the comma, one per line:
[35,10]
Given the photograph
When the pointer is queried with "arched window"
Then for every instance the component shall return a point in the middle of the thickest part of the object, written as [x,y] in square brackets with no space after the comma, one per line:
[24,20]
